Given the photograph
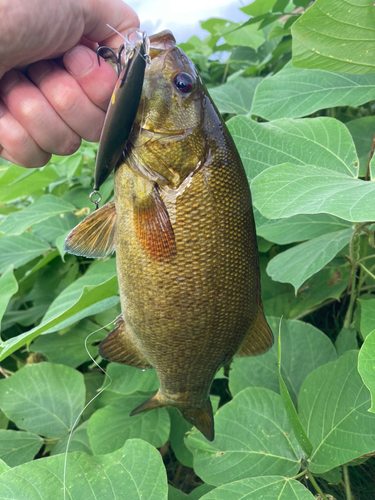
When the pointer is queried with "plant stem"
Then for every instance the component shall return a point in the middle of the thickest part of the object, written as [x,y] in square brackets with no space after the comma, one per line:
[301,474]
[347,483]
[367,271]
[315,484]
[349,312]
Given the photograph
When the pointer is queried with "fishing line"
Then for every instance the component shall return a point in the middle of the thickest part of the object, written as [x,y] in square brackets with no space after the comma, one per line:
[128,42]
[88,404]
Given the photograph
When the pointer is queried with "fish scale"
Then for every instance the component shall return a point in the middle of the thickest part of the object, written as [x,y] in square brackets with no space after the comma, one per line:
[185,241]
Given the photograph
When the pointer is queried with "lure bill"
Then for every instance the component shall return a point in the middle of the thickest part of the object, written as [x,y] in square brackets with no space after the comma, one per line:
[131,65]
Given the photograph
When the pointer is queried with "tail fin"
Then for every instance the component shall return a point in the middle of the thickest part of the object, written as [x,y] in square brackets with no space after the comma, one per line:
[202,419]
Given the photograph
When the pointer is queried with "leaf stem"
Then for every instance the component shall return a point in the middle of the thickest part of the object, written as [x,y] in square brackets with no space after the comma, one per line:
[367,271]
[301,474]
[316,486]
[349,312]
[348,490]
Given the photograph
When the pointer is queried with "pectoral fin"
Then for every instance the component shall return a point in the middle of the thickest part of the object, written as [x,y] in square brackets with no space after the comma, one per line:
[95,235]
[153,226]
[119,347]
[259,340]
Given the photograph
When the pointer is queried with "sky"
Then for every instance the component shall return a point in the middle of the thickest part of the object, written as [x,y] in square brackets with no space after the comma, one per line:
[182,16]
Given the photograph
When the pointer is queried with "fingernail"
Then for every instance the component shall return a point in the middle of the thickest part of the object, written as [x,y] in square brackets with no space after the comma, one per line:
[78,61]
[8,81]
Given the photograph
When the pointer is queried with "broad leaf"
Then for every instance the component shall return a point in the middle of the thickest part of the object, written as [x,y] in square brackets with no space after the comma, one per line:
[235,97]
[367,316]
[333,408]
[69,348]
[287,190]
[253,438]
[336,36]
[45,207]
[19,181]
[54,227]
[79,441]
[8,287]
[246,36]
[346,341]
[366,366]
[295,92]
[111,426]
[19,250]
[90,296]
[258,7]
[297,264]
[43,398]
[128,379]
[325,141]
[297,228]
[264,488]
[137,469]
[296,362]
[362,131]
[198,493]
[18,447]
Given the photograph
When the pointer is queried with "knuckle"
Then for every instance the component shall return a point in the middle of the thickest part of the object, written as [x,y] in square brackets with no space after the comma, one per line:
[66,102]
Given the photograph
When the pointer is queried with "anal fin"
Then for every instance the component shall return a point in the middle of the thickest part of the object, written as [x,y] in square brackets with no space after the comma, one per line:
[259,339]
[153,226]
[95,235]
[119,347]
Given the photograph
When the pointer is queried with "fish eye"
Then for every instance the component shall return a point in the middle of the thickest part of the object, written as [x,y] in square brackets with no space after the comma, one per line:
[184,83]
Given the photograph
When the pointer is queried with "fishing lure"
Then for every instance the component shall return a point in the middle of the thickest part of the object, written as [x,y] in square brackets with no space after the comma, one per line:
[131,65]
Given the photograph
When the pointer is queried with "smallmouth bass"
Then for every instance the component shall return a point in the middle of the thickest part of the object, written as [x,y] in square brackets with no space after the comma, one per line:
[183,228]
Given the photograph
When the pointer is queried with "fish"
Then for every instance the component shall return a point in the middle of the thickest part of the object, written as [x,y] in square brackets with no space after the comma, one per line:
[183,229]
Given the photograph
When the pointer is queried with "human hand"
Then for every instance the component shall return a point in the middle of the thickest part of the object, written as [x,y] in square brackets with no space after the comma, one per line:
[48,106]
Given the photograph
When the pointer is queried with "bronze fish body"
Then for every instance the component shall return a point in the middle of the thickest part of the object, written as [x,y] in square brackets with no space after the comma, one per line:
[183,228]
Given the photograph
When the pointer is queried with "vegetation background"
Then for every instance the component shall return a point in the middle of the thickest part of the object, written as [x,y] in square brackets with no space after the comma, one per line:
[297,91]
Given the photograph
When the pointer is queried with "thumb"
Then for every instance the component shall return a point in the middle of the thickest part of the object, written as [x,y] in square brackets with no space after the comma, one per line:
[116,13]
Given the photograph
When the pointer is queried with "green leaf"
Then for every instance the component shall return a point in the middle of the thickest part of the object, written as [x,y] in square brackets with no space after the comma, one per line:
[79,441]
[258,7]
[3,466]
[54,227]
[297,264]
[333,404]
[297,228]
[4,420]
[91,477]
[246,36]
[367,316]
[111,426]
[253,438]
[366,366]
[362,131]
[18,447]
[8,287]
[325,141]
[198,493]
[90,296]
[265,488]
[43,398]
[45,207]
[175,494]
[304,349]
[288,190]
[19,250]
[235,97]
[19,181]
[295,422]
[69,348]
[295,92]
[336,36]
[128,379]
[346,341]
[179,427]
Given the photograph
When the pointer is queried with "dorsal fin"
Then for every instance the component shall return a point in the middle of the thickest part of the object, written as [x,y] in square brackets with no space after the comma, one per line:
[259,339]
[153,226]
[95,235]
